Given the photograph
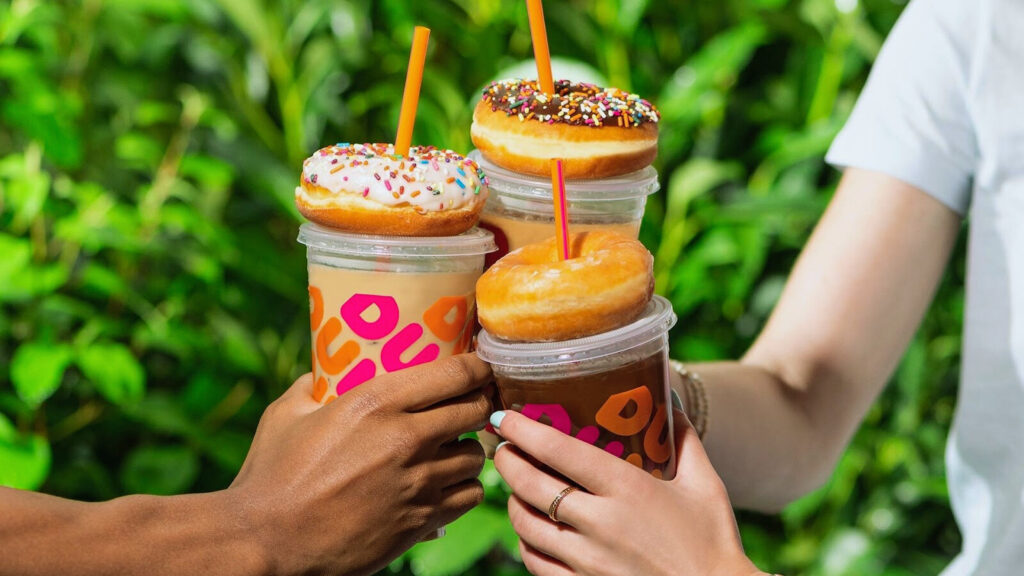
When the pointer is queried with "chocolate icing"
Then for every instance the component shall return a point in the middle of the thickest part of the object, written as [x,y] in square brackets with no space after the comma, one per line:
[574,103]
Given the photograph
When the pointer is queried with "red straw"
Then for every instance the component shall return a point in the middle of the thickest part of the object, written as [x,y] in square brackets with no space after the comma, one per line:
[411,96]
[561,207]
[541,53]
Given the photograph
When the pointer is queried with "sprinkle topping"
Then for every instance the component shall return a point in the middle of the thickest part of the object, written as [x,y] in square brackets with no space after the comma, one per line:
[375,172]
[578,104]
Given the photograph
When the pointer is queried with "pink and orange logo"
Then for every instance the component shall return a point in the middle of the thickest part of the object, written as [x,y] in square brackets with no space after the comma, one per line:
[448,320]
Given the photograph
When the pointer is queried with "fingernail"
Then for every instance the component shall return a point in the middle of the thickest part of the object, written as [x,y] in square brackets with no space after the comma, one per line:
[677,402]
[499,446]
[496,418]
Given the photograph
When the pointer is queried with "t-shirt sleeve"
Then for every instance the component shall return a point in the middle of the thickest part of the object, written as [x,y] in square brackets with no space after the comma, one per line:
[912,120]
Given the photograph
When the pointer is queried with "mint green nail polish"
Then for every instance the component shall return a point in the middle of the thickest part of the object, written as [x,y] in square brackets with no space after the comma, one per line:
[677,402]
[496,418]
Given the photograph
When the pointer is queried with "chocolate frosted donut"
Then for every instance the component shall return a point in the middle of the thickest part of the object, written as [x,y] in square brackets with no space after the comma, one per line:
[599,132]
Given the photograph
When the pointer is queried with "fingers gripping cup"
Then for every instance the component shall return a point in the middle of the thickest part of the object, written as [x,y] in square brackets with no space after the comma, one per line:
[383,303]
[610,390]
[519,209]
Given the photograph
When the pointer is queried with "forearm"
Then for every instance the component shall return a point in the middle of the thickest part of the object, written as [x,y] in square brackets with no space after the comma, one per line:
[764,435]
[151,535]
[780,418]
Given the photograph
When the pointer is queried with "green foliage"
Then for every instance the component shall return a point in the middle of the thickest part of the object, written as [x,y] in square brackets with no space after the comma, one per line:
[25,457]
[37,369]
[152,296]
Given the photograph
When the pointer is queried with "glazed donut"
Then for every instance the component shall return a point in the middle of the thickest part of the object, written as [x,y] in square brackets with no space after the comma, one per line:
[597,132]
[531,295]
[368,189]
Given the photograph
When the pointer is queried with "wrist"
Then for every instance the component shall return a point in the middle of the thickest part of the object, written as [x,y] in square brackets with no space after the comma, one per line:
[193,533]
[237,529]
[694,395]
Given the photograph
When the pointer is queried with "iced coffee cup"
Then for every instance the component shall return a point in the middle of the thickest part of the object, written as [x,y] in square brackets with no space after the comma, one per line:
[519,210]
[383,303]
[610,390]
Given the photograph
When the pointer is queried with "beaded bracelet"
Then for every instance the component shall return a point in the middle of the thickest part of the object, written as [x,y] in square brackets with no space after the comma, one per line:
[695,401]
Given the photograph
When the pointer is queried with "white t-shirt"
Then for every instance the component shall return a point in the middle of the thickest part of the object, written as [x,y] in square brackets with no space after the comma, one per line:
[944,110]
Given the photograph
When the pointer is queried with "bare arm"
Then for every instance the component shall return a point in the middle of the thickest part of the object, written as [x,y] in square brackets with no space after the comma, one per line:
[337,489]
[781,416]
[194,534]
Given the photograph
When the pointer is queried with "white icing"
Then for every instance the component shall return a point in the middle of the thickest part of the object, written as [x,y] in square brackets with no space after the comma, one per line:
[428,179]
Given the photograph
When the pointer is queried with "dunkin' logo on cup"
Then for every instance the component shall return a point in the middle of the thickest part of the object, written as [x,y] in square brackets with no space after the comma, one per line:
[627,414]
[367,335]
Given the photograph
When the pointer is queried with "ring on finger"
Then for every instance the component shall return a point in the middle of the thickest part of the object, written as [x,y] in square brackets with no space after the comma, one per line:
[553,509]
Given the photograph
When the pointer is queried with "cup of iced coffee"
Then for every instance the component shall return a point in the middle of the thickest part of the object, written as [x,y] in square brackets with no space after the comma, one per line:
[610,390]
[393,258]
[519,209]
[383,303]
[582,345]
[606,137]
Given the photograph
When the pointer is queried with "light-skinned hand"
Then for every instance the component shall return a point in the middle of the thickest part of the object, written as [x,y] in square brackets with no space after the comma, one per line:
[622,521]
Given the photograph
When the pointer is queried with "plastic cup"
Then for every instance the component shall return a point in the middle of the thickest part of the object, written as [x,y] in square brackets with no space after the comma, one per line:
[520,210]
[384,303]
[610,390]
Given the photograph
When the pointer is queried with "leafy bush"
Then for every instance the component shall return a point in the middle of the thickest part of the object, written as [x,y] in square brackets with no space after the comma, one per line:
[152,296]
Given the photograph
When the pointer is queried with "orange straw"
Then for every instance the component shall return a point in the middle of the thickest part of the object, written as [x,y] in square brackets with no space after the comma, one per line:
[411,97]
[541,53]
[561,207]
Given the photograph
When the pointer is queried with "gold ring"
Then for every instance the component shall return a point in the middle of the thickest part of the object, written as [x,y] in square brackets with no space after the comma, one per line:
[553,509]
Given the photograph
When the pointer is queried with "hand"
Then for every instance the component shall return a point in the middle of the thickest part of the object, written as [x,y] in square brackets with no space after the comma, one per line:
[622,521]
[347,487]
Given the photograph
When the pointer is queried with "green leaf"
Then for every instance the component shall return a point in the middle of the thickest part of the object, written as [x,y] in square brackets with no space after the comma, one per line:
[37,369]
[114,370]
[27,195]
[44,117]
[138,148]
[17,252]
[161,470]
[695,178]
[33,281]
[467,540]
[24,460]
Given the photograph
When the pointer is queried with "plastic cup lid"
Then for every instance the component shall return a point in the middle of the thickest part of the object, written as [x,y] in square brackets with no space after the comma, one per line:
[658,318]
[473,242]
[634,185]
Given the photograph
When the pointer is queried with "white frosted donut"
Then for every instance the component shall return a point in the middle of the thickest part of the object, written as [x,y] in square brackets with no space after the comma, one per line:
[531,295]
[368,189]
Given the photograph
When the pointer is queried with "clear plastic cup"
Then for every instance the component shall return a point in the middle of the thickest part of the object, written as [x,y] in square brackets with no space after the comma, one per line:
[610,390]
[520,209]
[383,303]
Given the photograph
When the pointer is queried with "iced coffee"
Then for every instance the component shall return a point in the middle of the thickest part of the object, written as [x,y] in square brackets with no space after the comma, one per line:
[519,210]
[380,304]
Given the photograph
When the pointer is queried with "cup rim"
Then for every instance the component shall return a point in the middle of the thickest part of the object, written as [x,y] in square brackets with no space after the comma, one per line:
[474,242]
[632,186]
[657,320]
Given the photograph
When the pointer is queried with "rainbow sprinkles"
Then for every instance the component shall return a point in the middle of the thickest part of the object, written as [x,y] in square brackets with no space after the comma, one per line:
[575,103]
[429,179]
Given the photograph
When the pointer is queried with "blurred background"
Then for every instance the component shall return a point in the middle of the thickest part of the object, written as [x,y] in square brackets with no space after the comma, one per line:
[153,297]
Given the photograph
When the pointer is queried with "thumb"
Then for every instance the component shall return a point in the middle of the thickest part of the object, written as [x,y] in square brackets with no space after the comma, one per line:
[694,467]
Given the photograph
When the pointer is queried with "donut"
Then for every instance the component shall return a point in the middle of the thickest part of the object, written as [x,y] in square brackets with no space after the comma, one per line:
[531,295]
[368,189]
[598,132]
